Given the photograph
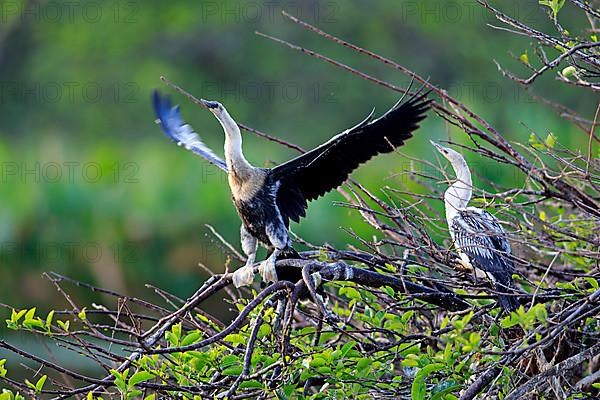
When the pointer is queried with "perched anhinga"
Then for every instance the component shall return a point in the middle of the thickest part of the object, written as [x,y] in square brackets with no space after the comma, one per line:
[478,237]
[266,199]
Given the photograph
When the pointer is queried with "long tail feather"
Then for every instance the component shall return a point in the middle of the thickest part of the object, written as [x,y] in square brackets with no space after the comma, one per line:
[509,303]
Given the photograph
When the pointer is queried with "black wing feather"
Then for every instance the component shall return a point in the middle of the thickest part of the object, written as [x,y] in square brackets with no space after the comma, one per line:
[479,235]
[326,167]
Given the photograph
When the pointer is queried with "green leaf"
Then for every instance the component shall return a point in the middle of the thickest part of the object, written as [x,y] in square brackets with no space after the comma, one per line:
[347,347]
[176,331]
[265,330]
[540,313]
[407,315]
[467,318]
[363,363]
[229,360]
[509,321]
[33,323]
[429,369]
[40,383]
[418,387]
[202,318]
[288,390]
[191,338]
[324,370]
[30,314]
[593,282]
[326,336]
[235,370]
[171,338]
[448,354]
[16,316]
[410,362]
[534,142]
[49,319]
[550,140]
[389,291]
[64,325]
[554,5]
[139,377]
[417,390]
[569,71]
[251,384]
[235,339]
[116,374]
[82,316]
[317,362]
[350,293]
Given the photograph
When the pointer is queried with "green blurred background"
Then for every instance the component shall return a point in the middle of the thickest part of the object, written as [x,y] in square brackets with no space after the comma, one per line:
[91,188]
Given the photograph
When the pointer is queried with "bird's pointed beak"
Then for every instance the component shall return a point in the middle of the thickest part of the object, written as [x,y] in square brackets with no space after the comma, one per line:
[437,146]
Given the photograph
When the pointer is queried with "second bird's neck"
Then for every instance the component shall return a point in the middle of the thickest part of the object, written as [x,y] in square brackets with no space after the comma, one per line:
[458,195]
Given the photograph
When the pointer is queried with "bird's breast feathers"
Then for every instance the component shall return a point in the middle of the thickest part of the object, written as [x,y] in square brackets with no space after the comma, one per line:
[246,187]
[260,214]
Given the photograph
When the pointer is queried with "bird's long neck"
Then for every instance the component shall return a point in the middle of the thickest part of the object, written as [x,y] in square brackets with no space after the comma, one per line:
[459,193]
[234,156]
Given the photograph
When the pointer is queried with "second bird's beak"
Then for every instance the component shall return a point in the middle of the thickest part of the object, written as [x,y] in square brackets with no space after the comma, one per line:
[437,146]
[211,105]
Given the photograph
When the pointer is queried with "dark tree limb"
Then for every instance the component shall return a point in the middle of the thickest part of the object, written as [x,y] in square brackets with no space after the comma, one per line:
[480,383]
[340,271]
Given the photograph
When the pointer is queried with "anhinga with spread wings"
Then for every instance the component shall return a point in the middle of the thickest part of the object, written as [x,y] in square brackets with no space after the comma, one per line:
[268,198]
[478,237]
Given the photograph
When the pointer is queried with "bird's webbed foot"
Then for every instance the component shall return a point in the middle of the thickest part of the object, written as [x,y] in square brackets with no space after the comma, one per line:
[243,276]
[267,268]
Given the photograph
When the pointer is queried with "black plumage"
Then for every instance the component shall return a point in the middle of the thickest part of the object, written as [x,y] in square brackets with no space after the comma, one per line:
[326,167]
[479,236]
[266,199]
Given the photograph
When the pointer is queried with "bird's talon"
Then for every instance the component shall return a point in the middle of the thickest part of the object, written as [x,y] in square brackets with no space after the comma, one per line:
[267,270]
[243,276]
[317,279]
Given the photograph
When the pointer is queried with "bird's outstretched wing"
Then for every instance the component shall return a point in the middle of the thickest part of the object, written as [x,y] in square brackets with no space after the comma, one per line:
[326,167]
[174,127]
[480,237]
